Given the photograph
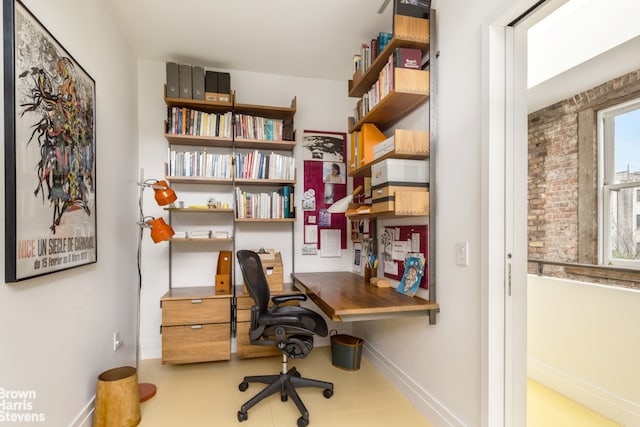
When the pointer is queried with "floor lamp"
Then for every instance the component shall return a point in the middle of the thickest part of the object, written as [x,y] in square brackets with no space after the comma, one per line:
[160,231]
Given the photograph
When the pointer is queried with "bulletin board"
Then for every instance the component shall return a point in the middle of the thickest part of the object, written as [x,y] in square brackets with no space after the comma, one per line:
[399,241]
[325,182]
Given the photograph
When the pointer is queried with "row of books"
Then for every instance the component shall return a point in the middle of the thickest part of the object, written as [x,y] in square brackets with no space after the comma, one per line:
[251,165]
[253,127]
[401,58]
[187,121]
[258,165]
[266,205]
[200,163]
[369,52]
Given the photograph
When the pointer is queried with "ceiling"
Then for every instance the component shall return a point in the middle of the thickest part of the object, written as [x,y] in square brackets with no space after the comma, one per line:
[305,38]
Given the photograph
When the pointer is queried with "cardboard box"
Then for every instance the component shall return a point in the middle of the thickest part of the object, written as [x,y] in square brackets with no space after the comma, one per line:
[272,267]
[399,170]
[273,272]
[404,142]
[401,198]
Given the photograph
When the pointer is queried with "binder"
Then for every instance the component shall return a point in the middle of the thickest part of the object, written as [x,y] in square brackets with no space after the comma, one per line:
[370,136]
[224,82]
[173,80]
[211,82]
[197,82]
[185,82]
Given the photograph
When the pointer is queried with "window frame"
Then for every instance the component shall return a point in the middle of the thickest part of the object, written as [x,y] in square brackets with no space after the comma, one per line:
[606,180]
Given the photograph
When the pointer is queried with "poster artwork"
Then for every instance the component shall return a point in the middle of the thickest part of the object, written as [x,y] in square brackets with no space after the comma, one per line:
[53,191]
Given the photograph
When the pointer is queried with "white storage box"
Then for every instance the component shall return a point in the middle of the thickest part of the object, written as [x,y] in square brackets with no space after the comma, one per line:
[399,170]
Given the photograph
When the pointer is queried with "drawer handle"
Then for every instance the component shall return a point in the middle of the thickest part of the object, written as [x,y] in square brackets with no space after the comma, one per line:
[196,326]
[380,191]
[196,301]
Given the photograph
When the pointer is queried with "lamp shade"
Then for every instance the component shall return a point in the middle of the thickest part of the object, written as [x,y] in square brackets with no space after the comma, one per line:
[160,230]
[164,195]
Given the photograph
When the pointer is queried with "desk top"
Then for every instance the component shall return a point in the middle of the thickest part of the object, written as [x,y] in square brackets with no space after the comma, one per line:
[343,295]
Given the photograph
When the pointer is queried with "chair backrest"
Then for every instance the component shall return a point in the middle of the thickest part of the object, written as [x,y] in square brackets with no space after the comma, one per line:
[254,278]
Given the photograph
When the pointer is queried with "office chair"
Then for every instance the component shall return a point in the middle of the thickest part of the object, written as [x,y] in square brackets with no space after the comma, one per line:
[289,328]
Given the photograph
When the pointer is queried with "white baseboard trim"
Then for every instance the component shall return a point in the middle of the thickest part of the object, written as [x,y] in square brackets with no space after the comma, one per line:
[592,396]
[431,408]
[85,417]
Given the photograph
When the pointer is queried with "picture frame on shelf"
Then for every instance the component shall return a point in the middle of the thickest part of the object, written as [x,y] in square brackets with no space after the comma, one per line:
[50,150]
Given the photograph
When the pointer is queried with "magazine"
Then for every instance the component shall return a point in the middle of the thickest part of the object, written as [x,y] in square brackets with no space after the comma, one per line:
[413,272]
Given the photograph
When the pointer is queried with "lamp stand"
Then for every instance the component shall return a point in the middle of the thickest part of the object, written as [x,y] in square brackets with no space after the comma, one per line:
[146,390]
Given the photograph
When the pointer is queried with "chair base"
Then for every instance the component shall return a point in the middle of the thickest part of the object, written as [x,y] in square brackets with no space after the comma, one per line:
[286,384]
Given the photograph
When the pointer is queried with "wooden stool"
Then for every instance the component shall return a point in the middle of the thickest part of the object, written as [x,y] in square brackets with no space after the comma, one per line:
[117,398]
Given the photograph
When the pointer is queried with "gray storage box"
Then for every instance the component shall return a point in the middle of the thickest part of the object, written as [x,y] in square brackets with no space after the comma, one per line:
[346,351]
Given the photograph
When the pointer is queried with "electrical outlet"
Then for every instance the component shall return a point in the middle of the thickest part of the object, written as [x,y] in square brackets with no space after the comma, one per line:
[117,342]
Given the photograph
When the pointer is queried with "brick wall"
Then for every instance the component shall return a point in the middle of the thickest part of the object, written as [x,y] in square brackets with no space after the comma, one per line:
[554,193]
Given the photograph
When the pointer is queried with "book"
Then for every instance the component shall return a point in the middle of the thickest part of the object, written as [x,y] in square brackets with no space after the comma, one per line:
[173,80]
[415,8]
[383,40]
[413,272]
[407,58]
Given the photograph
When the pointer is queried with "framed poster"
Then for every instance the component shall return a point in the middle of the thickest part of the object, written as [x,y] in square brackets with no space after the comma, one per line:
[50,147]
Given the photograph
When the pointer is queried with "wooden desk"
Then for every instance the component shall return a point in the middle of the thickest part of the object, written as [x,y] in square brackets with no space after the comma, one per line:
[343,296]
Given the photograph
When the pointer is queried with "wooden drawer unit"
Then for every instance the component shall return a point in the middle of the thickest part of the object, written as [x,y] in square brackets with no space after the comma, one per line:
[245,349]
[196,325]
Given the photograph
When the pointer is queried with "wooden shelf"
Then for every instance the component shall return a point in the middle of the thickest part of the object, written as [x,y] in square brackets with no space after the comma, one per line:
[200,141]
[411,89]
[202,210]
[409,33]
[195,239]
[261,144]
[198,180]
[200,104]
[408,144]
[265,220]
[247,181]
[270,112]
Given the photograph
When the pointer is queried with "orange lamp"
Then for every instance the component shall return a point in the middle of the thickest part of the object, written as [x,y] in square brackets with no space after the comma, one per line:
[160,230]
[164,195]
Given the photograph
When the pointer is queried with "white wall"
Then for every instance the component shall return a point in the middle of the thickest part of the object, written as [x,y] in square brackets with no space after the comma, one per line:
[321,105]
[583,342]
[57,330]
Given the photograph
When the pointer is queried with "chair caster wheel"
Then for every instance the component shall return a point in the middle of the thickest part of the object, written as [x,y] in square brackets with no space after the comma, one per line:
[327,393]
[243,386]
[242,416]
[303,422]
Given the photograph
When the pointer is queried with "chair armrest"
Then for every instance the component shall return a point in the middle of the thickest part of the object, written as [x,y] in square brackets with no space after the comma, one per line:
[285,298]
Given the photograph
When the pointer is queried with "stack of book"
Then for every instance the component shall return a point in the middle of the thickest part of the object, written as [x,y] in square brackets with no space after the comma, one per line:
[274,205]
[253,127]
[200,163]
[257,165]
[186,121]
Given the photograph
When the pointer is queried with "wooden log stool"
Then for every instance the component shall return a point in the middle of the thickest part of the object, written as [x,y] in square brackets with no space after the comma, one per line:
[117,398]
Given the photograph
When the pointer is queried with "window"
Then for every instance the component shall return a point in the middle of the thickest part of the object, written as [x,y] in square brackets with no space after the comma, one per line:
[619,196]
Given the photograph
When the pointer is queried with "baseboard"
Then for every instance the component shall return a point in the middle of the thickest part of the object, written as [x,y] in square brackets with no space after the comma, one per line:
[592,396]
[85,417]
[431,408]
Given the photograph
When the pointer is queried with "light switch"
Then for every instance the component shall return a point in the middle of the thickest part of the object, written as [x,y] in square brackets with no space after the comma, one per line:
[462,253]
